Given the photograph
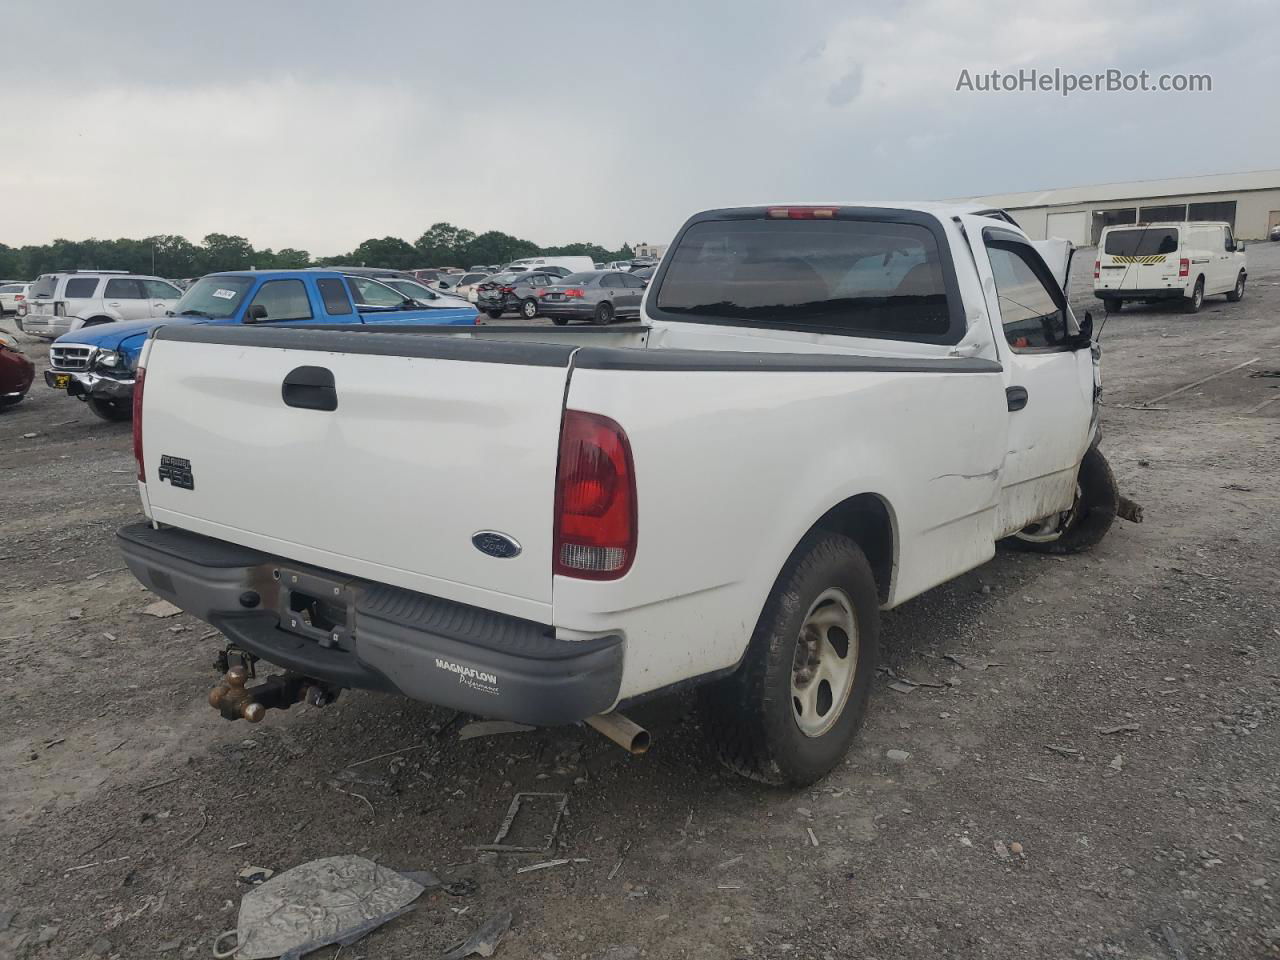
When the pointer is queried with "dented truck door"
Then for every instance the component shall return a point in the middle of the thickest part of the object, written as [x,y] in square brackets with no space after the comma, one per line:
[1048,379]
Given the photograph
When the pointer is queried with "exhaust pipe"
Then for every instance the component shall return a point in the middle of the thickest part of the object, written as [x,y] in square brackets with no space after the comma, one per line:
[629,736]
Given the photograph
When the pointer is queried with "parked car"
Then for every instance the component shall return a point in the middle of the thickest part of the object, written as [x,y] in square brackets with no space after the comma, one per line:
[640,263]
[644,273]
[403,282]
[1185,261]
[485,268]
[1275,232]
[466,285]
[825,417]
[58,303]
[99,365]
[568,264]
[12,294]
[599,296]
[16,371]
[513,291]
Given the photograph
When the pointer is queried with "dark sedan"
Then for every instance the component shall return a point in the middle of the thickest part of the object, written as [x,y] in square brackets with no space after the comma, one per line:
[16,372]
[599,296]
[504,292]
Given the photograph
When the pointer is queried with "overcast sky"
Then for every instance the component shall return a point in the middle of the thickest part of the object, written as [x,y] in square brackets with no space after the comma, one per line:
[319,124]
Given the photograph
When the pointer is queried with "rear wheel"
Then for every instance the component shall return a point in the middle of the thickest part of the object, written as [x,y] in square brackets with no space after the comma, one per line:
[603,315]
[790,712]
[529,308]
[494,314]
[559,321]
[1237,292]
[1193,303]
[112,410]
[1090,517]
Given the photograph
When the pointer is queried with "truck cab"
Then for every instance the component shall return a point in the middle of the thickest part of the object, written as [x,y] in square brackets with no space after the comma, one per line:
[97,365]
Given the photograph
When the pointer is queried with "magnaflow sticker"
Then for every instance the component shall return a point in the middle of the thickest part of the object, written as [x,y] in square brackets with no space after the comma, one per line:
[477,680]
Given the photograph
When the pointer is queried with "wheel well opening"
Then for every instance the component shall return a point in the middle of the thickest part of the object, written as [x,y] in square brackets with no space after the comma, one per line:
[865,519]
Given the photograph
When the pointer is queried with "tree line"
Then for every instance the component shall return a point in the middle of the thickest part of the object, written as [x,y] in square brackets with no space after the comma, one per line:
[169,255]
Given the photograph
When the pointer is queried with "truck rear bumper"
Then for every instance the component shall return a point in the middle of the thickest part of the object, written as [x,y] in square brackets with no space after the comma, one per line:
[1155,293]
[385,638]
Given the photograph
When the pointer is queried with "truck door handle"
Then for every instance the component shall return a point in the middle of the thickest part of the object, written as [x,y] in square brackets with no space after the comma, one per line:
[1016,396]
[310,388]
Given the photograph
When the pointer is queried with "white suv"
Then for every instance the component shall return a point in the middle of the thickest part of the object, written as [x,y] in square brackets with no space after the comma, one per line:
[58,303]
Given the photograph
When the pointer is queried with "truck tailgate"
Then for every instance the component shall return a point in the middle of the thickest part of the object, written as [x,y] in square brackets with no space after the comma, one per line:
[432,440]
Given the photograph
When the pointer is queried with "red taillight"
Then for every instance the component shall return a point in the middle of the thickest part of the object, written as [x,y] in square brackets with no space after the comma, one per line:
[59,308]
[1184,267]
[595,511]
[506,289]
[575,292]
[137,423]
[1097,267]
[802,213]
[19,296]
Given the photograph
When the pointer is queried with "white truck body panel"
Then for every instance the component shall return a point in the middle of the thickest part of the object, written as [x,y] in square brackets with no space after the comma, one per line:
[420,455]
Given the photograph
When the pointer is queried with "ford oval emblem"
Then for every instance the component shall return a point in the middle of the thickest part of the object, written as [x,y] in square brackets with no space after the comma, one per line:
[495,544]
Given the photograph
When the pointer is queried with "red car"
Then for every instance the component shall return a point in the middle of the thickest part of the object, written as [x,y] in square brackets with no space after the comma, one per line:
[16,372]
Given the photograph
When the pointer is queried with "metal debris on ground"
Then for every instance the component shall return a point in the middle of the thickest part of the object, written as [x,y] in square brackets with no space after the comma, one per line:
[492,728]
[622,857]
[1118,728]
[561,800]
[546,864]
[161,608]
[812,838]
[1070,752]
[331,900]
[977,664]
[484,941]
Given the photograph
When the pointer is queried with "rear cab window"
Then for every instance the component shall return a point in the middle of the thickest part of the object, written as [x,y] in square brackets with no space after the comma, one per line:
[334,295]
[858,272]
[1141,242]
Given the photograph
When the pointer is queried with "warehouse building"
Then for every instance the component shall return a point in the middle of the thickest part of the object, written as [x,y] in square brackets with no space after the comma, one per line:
[1250,202]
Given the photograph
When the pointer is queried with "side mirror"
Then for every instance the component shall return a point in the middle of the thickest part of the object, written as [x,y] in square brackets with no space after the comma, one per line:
[256,313]
[1086,330]
[1239,246]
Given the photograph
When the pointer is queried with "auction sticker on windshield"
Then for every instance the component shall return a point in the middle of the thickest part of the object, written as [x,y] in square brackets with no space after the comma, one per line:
[225,294]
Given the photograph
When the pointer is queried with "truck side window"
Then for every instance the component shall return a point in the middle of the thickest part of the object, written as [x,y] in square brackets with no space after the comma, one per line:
[1033,317]
[334,295]
[80,288]
[284,300]
[122,288]
[1230,243]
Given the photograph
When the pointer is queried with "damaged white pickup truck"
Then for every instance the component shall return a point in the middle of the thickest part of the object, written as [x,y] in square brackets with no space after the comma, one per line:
[825,411]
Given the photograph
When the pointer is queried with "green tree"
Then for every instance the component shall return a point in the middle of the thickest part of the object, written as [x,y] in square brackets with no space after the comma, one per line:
[442,245]
[175,256]
[388,252]
[495,247]
[288,258]
[220,252]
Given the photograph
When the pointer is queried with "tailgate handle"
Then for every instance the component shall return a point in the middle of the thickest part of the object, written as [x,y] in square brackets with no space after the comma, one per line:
[1017,397]
[310,388]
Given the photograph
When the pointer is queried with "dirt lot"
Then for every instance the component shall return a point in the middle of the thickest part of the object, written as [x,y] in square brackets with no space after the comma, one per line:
[1151,667]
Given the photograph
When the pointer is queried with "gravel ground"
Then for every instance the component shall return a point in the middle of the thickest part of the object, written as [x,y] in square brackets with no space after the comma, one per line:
[1106,788]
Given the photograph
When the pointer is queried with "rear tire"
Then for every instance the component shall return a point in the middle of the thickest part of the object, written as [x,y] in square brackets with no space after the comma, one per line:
[603,315]
[559,321]
[494,314]
[114,411]
[1237,292]
[529,308]
[767,720]
[1089,518]
[1193,303]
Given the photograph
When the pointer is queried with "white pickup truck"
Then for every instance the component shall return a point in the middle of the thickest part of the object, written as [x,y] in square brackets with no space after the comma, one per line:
[826,410]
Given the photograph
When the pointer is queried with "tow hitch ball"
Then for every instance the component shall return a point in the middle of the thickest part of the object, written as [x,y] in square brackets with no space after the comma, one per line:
[235,701]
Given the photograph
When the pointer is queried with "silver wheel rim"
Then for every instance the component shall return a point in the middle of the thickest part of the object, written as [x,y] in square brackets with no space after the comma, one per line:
[1052,528]
[825,663]
[1197,295]
[1239,286]
[530,310]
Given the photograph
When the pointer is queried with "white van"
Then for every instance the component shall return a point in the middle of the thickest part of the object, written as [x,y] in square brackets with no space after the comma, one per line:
[1168,261]
[572,264]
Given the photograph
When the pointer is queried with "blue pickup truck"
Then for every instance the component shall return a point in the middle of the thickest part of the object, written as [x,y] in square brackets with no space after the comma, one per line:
[96,364]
